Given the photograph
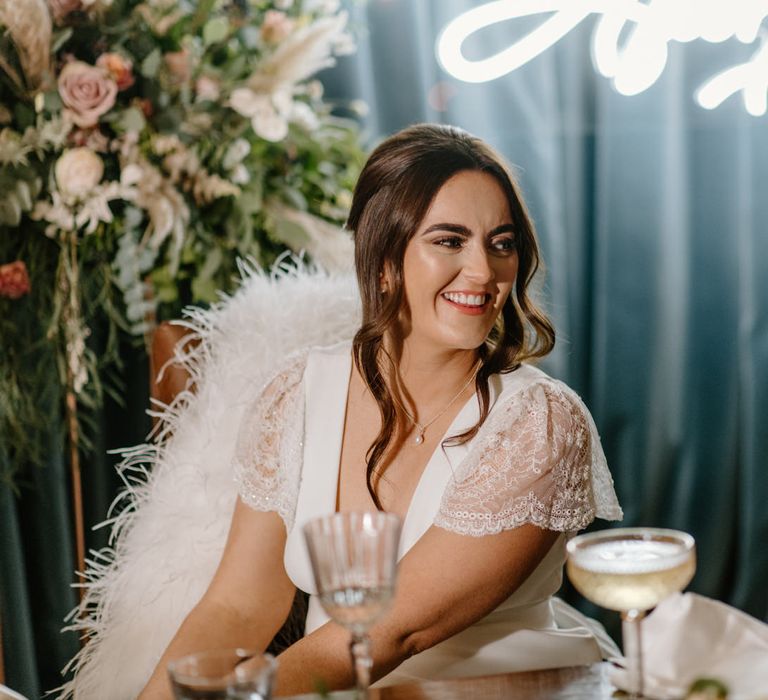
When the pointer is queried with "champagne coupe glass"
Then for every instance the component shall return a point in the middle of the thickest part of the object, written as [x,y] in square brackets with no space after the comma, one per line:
[223,674]
[354,561]
[631,570]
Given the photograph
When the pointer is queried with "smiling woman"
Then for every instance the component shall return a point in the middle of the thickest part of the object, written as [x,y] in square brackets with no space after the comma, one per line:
[431,413]
[462,262]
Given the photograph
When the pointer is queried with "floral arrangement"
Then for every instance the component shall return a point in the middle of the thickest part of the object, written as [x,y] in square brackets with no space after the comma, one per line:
[146,146]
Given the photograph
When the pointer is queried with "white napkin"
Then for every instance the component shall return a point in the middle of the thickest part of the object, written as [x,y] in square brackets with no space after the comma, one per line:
[689,636]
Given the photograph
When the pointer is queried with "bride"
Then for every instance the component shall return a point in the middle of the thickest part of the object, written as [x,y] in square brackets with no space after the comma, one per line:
[431,412]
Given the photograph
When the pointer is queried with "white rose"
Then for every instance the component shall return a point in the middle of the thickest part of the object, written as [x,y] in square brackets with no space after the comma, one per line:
[78,171]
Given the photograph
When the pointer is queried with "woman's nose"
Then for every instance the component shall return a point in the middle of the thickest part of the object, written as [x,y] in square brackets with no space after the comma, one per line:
[479,266]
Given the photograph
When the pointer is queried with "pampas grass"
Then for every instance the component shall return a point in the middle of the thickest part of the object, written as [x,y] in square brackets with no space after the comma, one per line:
[29,24]
[301,55]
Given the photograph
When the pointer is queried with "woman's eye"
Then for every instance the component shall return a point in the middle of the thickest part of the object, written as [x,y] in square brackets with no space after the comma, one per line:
[449,242]
[504,245]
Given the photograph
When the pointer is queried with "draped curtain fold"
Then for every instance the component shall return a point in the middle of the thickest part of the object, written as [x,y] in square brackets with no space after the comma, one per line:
[652,216]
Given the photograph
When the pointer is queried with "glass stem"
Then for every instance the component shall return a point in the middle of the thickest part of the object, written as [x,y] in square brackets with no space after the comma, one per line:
[633,649]
[360,650]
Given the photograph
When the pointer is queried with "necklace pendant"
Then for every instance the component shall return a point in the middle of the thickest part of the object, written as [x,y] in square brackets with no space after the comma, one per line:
[419,438]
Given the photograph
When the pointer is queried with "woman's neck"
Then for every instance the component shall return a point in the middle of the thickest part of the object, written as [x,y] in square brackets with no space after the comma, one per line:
[429,379]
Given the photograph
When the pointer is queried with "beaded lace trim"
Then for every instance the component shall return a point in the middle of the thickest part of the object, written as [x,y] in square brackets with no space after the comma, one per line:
[269,452]
[537,459]
[531,462]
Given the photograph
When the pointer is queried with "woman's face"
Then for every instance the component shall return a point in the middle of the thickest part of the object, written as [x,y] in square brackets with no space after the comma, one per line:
[461,264]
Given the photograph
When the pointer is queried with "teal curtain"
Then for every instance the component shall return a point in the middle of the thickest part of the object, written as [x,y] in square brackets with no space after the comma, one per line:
[37,541]
[653,217]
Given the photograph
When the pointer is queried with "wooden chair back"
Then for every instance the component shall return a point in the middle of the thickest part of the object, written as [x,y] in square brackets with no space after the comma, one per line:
[174,378]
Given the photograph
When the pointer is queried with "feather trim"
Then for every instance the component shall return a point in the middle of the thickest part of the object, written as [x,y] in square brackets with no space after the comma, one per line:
[169,522]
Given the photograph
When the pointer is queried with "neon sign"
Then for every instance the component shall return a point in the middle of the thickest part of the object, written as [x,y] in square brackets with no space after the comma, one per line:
[633,64]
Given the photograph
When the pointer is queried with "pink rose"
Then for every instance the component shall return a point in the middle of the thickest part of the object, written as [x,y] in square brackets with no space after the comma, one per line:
[14,280]
[61,8]
[119,67]
[276,26]
[87,91]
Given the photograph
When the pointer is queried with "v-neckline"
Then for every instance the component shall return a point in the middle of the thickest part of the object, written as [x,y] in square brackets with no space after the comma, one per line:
[325,387]
[459,424]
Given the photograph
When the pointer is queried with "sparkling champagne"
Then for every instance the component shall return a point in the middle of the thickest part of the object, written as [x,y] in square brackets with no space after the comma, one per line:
[631,574]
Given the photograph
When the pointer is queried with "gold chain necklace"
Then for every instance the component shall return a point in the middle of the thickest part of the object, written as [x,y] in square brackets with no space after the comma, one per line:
[422,428]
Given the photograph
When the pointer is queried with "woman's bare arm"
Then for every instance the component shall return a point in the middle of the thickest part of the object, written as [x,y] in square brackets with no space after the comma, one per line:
[247,601]
[446,583]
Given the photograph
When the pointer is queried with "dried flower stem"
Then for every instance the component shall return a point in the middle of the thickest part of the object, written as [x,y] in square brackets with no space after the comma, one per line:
[70,321]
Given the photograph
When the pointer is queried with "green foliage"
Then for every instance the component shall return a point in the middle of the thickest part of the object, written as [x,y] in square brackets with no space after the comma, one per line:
[209,125]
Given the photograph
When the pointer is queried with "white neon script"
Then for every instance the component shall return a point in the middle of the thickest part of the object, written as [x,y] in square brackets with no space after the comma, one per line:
[633,64]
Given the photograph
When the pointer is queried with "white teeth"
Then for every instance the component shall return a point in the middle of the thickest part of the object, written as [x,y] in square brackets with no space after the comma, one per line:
[465,299]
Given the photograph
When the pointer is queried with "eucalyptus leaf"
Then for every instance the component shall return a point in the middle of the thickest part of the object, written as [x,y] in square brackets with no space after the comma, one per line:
[215,30]
[211,264]
[10,210]
[204,290]
[251,37]
[53,101]
[250,200]
[131,120]
[296,198]
[24,195]
[151,64]
[164,284]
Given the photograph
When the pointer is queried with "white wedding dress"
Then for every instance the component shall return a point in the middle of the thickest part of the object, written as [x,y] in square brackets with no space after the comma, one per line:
[536,459]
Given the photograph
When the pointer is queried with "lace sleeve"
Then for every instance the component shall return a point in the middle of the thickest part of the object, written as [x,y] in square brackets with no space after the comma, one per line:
[532,462]
[268,456]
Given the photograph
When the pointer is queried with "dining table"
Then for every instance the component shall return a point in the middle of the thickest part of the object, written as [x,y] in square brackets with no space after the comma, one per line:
[572,683]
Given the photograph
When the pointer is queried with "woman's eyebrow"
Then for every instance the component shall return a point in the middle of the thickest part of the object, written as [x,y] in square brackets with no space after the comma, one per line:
[504,228]
[464,231]
[453,228]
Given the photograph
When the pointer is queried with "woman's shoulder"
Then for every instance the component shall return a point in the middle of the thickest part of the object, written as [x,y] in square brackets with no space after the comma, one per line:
[530,395]
[524,377]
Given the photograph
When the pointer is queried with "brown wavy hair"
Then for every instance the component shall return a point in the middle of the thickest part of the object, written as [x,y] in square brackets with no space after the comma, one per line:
[393,194]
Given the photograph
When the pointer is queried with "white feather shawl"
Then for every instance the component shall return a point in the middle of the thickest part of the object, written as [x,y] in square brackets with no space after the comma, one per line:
[179,492]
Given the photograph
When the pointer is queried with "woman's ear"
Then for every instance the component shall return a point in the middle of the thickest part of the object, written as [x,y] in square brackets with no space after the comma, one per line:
[384,277]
